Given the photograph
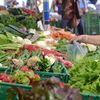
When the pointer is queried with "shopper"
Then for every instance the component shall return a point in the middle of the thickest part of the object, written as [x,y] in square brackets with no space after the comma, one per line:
[93,1]
[91,39]
[54,7]
[83,6]
[69,9]
[60,7]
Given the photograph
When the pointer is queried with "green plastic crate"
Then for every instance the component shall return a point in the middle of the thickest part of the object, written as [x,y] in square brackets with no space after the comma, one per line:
[4,87]
[90,97]
[64,77]
[92,23]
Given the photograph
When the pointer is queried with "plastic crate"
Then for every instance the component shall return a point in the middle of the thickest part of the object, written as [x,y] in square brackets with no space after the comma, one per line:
[4,88]
[90,97]
[64,77]
[92,23]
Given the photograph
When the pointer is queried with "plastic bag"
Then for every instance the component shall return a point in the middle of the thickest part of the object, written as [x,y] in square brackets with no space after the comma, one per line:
[75,51]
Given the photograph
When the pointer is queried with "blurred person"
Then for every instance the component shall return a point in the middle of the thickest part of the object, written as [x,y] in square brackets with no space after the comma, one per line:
[83,6]
[59,7]
[56,12]
[11,3]
[93,1]
[54,7]
[69,9]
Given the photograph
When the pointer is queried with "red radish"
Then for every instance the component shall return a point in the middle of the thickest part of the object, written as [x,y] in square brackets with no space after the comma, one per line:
[36,77]
[25,69]
[66,62]
[61,84]
[55,53]
[30,47]
[44,51]
[5,78]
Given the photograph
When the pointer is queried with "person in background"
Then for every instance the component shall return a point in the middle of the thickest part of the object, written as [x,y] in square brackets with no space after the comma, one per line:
[54,7]
[11,3]
[93,1]
[56,12]
[59,7]
[83,6]
[66,22]
[91,39]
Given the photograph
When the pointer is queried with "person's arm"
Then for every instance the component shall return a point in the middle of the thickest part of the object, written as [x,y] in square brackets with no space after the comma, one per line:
[85,5]
[91,39]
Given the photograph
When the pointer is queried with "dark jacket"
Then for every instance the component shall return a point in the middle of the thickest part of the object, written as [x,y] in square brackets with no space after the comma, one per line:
[93,1]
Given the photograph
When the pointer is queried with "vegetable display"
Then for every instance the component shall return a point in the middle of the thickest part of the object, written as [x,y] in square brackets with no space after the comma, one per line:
[86,74]
[36,61]
[6,20]
[28,22]
[62,46]
[33,56]
[22,76]
[62,35]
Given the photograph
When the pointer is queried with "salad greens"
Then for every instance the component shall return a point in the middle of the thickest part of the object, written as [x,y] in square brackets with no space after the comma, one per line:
[62,46]
[86,74]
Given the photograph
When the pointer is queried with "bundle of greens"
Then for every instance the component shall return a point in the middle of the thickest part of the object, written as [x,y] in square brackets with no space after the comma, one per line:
[8,48]
[62,46]
[28,22]
[36,61]
[86,74]
[7,19]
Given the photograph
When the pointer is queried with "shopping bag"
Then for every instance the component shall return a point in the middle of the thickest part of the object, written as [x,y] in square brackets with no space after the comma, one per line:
[76,51]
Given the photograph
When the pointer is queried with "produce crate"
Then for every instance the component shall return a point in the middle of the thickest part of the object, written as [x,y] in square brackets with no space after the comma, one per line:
[90,97]
[4,87]
[64,77]
[92,23]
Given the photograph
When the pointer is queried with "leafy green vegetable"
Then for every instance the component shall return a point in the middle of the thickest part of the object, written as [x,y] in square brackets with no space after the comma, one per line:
[24,56]
[86,74]
[57,67]
[62,46]
[13,46]
[44,64]
[15,11]
[28,23]
[20,77]
[2,28]
[6,20]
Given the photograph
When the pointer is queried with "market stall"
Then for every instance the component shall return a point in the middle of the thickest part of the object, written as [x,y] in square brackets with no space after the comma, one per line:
[43,64]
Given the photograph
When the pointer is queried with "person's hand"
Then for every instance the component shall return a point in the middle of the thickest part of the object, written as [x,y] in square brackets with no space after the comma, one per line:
[77,38]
